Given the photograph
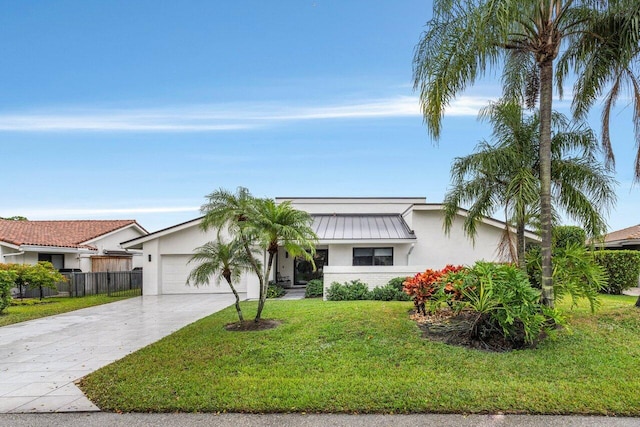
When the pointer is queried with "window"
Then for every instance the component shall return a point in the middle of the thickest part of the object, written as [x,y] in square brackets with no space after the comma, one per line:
[56,259]
[372,256]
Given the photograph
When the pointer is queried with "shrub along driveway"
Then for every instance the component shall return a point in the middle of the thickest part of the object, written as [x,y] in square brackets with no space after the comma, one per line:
[41,359]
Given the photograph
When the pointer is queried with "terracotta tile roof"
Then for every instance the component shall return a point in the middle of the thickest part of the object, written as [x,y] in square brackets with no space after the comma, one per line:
[66,234]
[629,233]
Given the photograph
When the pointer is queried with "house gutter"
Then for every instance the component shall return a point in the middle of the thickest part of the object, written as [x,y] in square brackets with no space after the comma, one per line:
[14,254]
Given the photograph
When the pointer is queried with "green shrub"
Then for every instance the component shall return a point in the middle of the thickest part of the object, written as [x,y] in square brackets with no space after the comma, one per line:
[388,292]
[7,281]
[275,291]
[357,290]
[623,268]
[503,298]
[315,288]
[577,274]
[397,283]
[566,235]
[348,291]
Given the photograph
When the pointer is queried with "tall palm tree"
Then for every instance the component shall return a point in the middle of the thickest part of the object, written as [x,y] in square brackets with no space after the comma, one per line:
[223,261]
[275,225]
[505,174]
[465,38]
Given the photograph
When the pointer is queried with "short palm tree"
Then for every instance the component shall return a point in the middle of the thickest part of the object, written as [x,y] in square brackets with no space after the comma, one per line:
[221,261]
[262,223]
[229,211]
[505,174]
[465,38]
[275,225]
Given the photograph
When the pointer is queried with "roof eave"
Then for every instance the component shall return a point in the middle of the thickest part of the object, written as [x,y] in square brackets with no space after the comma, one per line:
[55,249]
[137,242]
[366,241]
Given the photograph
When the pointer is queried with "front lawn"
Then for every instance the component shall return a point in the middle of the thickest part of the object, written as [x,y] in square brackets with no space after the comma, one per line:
[51,306]
[367,356]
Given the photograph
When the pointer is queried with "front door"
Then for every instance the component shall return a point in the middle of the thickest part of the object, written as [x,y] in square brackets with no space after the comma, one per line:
[303,269]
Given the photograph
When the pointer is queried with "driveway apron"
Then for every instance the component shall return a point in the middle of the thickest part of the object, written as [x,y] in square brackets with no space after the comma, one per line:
[40,359]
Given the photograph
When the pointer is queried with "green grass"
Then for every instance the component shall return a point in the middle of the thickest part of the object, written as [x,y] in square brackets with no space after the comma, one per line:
[56,305]
[367,356]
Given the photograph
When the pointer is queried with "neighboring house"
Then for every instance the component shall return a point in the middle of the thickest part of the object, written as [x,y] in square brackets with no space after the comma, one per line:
[85,245]
[627,238]
[371,239]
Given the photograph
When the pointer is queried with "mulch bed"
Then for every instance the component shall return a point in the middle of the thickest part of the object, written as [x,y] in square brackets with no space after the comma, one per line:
[250,325]
[454,328]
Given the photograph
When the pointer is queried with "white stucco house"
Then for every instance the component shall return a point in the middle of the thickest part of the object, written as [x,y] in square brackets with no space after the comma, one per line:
[78,245]
[366,238]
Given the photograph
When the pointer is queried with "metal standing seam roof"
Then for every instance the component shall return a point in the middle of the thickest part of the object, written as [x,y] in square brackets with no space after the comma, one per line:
[361,227]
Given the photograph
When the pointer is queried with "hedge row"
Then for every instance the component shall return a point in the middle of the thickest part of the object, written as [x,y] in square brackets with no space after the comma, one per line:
[622,266]
[357,290]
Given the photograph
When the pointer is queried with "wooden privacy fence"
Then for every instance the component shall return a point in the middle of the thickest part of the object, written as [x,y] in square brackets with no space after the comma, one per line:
[113,283]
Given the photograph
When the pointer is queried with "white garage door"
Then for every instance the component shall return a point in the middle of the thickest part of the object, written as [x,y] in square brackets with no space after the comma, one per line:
[174,273]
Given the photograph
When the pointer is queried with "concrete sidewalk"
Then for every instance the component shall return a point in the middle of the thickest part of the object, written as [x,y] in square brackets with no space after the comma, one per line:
[40,359]
[307,420]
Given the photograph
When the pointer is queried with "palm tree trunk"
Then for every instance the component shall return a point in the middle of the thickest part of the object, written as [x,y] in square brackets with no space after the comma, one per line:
[264,284]
[235,293]
[521,245]
[546,92]
[256,269]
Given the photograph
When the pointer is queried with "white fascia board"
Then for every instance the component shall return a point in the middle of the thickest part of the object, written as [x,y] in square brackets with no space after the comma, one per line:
[366,241]
[102,236]
[138,241]
[10,245]
[56,249]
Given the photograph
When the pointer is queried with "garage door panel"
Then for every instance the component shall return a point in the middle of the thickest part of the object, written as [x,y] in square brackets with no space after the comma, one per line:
[175,270]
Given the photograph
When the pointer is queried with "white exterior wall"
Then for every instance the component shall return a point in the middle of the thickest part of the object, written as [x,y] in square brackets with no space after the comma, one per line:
[342,254]
[151,268]
[435,249]
[180,245]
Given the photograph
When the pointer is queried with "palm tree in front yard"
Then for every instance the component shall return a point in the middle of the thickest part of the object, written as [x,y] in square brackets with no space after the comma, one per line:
[503,173]
[221,260]
[275,225]
[466,38]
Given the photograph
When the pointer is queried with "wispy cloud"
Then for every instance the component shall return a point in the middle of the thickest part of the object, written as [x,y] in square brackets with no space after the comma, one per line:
[80,212]
[221,117]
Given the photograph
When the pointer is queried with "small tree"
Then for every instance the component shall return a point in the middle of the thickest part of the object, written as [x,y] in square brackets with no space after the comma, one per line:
[263,223]
[7,281]
[41,275]
[222,260]
[274,225]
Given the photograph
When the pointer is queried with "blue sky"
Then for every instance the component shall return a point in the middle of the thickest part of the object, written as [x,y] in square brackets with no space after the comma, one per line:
[139,109]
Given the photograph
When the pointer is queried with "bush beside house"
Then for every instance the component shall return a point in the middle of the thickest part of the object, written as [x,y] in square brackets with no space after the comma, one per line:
[357,290]
[623,268]
[7,281]
[315,289]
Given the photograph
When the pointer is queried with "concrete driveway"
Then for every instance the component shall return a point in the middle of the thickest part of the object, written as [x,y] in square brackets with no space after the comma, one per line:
[40,359]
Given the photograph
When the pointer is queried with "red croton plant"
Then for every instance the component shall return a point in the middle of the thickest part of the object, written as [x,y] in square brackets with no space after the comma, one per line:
[424,286]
